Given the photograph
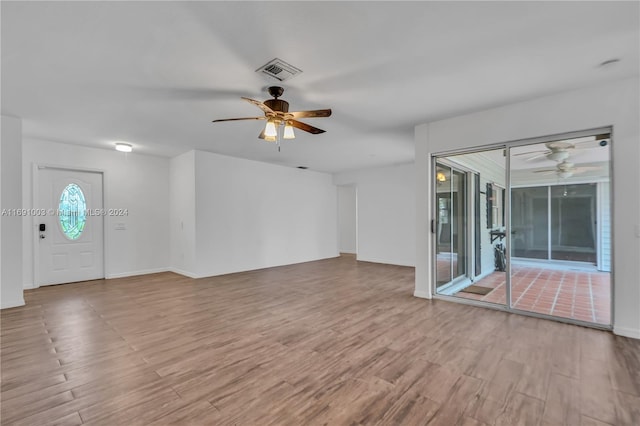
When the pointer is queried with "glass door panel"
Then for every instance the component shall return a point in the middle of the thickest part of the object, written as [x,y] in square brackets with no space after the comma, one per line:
[470,226]
[451,225]
[560,229]
[443,229]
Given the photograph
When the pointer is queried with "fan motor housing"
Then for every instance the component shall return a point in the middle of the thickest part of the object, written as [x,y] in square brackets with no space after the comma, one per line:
[558,155]
[277,105]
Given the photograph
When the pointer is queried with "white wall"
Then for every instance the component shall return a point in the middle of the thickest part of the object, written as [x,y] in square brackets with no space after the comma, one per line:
[1,205]
[347,220]
[615,104]
[182,210]
[251,215]
[386,213]
[11,226]
[135,182]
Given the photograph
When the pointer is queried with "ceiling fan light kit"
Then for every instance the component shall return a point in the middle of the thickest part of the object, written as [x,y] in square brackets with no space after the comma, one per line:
[288,132]
[276,112]
[270,129]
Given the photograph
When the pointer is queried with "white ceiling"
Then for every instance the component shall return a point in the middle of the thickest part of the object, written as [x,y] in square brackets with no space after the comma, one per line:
[156,73]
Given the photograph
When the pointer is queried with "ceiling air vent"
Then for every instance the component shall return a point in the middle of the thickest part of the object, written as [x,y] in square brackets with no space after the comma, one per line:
[279,69]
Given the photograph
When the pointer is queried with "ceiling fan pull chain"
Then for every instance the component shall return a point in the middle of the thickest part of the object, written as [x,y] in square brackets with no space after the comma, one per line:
[278,140]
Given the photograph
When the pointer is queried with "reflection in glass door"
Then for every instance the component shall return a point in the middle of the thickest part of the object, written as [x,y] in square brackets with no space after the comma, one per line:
[470,197]
[451,224]
[561,229]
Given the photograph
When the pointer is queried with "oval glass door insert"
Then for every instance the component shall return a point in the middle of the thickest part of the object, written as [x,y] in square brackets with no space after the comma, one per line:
[72,211]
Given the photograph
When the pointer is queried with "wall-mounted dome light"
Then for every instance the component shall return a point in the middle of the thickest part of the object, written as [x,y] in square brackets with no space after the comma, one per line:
[124,147]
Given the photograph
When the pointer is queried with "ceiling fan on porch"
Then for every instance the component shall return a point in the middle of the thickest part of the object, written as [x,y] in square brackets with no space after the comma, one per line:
[560,150]
[276,113]
[566,169]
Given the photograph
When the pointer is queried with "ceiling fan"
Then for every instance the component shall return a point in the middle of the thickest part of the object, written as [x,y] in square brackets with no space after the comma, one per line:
[566,169]
[560,150]
[276,112]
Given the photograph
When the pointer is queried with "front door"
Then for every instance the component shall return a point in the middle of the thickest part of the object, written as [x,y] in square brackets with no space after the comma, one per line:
[70,235]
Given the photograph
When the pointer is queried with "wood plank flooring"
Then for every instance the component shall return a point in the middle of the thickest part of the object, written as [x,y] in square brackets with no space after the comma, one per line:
[334,342]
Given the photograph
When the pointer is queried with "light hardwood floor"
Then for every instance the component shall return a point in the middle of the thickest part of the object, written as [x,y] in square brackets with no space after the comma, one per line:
[329,342]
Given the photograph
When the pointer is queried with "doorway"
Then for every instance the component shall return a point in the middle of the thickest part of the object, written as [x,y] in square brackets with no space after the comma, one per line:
[70,233]
[347,219]
[543,243]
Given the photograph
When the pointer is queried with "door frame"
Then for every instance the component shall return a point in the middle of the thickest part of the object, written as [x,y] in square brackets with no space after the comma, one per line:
[35,193]
[438,157]
[355,212]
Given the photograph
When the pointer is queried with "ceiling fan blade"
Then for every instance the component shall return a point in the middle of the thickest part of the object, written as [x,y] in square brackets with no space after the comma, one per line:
[260,105]
[548,171]
[529,152]
[587,169]
[311,114]
[303,126]
[238,119]
[535,157]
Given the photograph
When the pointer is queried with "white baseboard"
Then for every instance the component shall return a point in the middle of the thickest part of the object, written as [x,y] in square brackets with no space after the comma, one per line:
[185,273]
[422,294]
[386,261]
[6,304]
[215,273]
[139,272]
[634,333]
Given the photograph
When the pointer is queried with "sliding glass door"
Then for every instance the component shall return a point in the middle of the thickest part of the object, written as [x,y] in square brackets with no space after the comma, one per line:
[527,227]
